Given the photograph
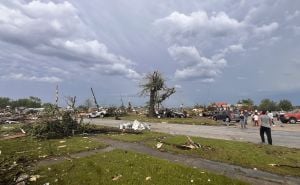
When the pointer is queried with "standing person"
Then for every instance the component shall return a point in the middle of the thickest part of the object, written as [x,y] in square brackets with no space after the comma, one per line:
[242,120]
[270,114]
[246,115]
[265,127]
[255,117]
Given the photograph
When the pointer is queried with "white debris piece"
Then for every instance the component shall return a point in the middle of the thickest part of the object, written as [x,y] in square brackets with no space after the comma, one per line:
[135,125]
[62,146]
[33,178]
[23,131]
[159,145]
[21,179]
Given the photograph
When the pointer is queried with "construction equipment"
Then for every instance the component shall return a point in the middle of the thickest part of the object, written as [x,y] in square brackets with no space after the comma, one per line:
[100,111]
[95,99]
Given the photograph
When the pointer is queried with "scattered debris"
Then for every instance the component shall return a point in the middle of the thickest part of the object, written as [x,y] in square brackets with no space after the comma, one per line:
[23,131]
[192,180]
[43,156]
[254,168]
[116,177]
[159,145]
[135,125]
[272,164]
[21,152]
[189,145]
[62,146]
[148,178]
[33,178]
[21,179]
[62,141]
[208,180]
[0,152]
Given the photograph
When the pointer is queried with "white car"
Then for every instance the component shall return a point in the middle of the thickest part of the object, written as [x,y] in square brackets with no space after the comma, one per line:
[11,122]
[97,114]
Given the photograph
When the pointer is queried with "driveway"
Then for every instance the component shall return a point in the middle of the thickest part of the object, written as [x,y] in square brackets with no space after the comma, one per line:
[280,136]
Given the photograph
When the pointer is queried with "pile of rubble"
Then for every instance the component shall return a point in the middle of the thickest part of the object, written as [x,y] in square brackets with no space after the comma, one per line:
[135,125]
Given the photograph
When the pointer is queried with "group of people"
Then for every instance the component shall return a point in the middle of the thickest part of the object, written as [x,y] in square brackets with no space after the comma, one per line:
[264,120]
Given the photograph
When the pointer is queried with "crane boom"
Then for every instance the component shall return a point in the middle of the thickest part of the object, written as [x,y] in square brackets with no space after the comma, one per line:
[95,99]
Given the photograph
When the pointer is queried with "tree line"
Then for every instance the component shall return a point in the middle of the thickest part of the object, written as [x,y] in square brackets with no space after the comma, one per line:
[31,102]
[268,105]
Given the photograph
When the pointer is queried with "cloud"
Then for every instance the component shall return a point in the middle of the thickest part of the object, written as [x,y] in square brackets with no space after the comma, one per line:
[195,66]
[292,16]
[266,29]
[177,86]
[20,76]
[219,24]
[201,41]
[241,78]
[296,30]
[116,70]
[56,31]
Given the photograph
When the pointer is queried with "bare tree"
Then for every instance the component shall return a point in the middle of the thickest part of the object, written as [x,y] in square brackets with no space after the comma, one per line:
[154,87]
[70,100]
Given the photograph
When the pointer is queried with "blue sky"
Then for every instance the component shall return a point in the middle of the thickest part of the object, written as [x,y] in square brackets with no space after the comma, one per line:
[210,50]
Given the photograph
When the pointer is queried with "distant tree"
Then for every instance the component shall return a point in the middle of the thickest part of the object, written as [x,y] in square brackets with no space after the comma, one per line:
[154,86]
[48,105]
[70,101]
[285,105]
[247,103]
[199,106]
[4,101]
[268,105]
[31,102]
[129,108]
[88,103]
[35,99]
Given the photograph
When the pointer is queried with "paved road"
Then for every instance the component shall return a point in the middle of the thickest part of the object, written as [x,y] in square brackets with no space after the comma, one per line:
[281,138]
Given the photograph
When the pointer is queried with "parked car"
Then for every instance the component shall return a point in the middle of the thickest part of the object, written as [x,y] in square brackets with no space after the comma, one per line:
[227,116]
[291,117]
[97,114]
[168,113]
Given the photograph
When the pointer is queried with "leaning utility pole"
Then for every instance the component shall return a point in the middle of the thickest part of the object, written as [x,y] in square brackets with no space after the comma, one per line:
[95,99]
[56,98]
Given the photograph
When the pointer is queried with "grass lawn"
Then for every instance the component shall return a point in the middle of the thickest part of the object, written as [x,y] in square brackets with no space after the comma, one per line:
[122,167]
[233,152]
[7,129]
[38,149]
[189,121]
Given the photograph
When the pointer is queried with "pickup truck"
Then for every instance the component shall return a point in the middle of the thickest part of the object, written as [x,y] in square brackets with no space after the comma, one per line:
[291,117]
[96,114]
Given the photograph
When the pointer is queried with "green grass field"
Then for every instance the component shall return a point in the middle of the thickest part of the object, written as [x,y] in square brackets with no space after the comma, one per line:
[122,167]
[38,149]
[233,152]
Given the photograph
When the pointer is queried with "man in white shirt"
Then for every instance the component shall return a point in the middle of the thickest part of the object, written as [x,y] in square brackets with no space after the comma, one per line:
[270,114]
